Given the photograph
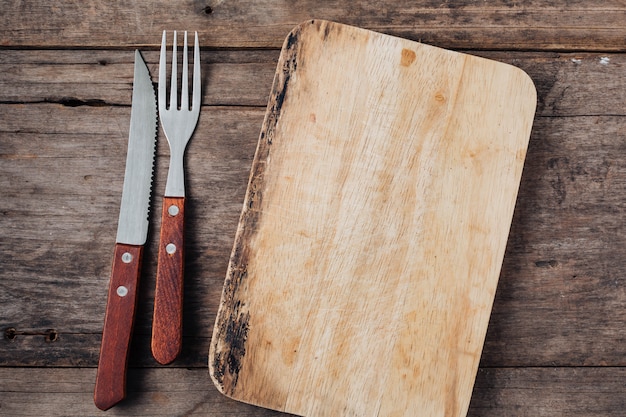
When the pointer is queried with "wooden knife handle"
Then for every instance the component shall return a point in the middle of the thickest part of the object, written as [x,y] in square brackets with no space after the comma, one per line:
[167,321]
[118,326]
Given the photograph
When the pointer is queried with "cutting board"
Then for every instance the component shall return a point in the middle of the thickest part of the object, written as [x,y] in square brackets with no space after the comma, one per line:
[374,227]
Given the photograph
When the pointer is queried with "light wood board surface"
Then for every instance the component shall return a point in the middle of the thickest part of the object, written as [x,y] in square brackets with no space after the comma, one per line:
[374,227]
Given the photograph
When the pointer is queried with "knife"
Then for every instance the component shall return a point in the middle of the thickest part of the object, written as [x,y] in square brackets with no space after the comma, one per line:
[132,231]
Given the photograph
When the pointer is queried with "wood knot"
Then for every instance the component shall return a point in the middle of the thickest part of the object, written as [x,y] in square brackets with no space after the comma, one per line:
[10,334]
[407,57]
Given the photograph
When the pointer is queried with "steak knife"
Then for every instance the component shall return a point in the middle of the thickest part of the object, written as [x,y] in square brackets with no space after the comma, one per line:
[132,231]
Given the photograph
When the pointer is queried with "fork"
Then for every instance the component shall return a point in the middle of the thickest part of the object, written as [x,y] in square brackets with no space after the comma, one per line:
[178,125]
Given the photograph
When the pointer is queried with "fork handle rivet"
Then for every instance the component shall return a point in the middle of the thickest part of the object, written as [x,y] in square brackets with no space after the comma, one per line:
[127,257]
[173,210]
[170,248]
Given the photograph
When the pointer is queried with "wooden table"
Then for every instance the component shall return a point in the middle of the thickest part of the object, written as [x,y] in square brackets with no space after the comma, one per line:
[556,343]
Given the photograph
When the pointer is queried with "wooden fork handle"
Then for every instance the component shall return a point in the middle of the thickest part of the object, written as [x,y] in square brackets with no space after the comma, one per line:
[167,320]
[118,325]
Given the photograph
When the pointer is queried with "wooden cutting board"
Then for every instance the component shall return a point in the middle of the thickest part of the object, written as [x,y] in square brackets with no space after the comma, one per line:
[374,227]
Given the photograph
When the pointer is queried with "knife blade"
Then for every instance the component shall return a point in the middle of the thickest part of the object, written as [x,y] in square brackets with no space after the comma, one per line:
[132,231]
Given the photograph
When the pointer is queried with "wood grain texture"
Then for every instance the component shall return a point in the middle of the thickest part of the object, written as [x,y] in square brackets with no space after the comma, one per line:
[374,226]
[469,24]
[575,169]
[101,77]
[167,319]
[63,119]
[150,392]
[568,84]
[523,392]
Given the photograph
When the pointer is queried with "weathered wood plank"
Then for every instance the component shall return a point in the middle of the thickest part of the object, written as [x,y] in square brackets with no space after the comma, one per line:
[469,24]
[568,84]
[150,392]
[531,392]
[538,392]
[563,278]
[80,77]
[60,226]
[560,294]
[573,174]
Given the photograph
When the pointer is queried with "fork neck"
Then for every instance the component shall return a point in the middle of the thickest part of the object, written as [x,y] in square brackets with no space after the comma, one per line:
[175,185]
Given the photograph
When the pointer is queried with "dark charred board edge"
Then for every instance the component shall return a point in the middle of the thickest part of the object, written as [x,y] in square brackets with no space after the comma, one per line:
[228,345]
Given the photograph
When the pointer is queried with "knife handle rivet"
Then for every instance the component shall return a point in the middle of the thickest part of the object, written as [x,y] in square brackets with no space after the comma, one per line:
[122,291]
[170,248]
[173,210]
[127,258]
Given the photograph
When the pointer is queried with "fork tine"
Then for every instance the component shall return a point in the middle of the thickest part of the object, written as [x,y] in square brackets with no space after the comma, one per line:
[162,75]
[184,88]
[195,104]
[174,79]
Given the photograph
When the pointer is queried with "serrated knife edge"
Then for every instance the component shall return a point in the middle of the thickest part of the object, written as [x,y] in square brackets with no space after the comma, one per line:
[132,226]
